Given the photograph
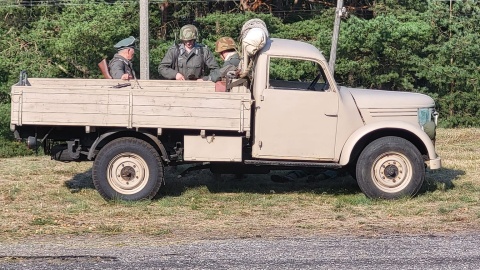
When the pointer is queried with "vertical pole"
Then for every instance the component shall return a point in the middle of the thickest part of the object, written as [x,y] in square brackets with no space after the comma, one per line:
[336,29]
[144,41]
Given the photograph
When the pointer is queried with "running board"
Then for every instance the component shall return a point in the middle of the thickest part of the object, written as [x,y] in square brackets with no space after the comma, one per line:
[291,163]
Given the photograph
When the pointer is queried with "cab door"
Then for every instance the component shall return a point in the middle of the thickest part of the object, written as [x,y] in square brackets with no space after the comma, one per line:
[296,115]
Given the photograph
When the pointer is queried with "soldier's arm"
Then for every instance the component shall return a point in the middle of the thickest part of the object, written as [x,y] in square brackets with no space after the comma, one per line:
[212,64]
[234,61]
[225,69]
[165,68]
[229,65]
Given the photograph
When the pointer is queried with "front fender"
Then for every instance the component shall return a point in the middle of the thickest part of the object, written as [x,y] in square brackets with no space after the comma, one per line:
[391,125]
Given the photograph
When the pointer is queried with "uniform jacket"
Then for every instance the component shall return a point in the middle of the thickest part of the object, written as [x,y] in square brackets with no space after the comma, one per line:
[230,64]
[233,60]
[119,66]
[192,65]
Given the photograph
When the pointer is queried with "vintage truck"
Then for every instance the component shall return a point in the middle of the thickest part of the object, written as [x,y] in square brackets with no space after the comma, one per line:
[268,120]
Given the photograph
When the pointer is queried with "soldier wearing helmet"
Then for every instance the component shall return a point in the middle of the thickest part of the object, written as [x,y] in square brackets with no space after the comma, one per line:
[226,47]
[188,60]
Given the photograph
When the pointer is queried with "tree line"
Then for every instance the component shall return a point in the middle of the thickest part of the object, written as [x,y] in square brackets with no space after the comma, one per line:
[420,46]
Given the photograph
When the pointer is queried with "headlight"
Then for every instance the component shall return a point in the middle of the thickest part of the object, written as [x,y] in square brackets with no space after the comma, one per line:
[427,118]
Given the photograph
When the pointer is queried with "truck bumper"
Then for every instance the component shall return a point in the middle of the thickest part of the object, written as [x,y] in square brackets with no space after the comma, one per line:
[435,164]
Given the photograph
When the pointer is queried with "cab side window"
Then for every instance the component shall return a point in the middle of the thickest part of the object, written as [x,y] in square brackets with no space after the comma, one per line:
[295,74]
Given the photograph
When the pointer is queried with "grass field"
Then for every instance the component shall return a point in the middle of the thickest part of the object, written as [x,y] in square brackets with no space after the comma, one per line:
[42,197]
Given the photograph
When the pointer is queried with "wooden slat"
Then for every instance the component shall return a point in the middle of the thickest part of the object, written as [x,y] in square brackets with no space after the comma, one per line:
[187,112]
[102,83]
[188,122]
[172,101]
[68,108]
[75,119]
[74,98]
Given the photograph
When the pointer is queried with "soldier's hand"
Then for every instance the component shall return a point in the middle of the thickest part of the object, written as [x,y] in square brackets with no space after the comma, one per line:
[179,77]
[126,77]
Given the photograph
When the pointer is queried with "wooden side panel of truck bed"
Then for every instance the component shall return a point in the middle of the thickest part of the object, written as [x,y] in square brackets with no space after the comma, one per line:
[159,104]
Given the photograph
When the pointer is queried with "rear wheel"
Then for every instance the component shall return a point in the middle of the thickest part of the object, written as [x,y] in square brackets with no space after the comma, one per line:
[128,169]
[390,168]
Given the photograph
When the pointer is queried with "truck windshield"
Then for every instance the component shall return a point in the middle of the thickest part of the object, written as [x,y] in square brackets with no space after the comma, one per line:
[296,74]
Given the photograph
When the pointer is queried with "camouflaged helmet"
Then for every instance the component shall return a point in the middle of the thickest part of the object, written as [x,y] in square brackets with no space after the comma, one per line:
[224,44]
[188,32]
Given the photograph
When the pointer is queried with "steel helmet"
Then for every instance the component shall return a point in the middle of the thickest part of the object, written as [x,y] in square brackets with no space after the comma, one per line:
[224,44]
[188,32]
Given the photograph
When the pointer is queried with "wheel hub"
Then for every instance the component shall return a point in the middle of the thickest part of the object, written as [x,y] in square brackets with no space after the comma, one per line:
[392,172]
[128,173]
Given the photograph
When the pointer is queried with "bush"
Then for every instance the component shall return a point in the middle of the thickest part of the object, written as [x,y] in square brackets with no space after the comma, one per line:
[13,148]
[9,147]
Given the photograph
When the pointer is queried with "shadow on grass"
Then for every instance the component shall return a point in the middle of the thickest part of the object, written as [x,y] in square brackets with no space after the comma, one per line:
[251,183]
[80,181]
[261,183]
[441,179]
[256,183]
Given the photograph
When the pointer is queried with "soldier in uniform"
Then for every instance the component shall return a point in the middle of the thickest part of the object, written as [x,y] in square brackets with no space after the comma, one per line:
[227,49]
[120,66]
[188,60]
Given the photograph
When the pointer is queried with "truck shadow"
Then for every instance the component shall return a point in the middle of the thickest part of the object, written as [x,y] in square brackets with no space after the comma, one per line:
[261,184]
[80,181]
[343,184]
[441,179]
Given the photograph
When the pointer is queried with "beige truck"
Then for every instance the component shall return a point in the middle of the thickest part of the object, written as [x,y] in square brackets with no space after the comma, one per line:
[268,120]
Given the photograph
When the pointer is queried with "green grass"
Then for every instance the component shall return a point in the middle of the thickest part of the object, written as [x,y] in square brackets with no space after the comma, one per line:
[40,196]
[41,221]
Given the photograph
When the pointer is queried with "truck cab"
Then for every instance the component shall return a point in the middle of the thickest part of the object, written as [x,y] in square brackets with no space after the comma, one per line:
[295,117]
[309,118]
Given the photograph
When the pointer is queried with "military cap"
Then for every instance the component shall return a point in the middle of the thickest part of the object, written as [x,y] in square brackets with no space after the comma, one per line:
[125,43]
[224,44]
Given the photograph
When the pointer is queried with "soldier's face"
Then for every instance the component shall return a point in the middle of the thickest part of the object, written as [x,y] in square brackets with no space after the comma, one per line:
[189,43]
[131,53]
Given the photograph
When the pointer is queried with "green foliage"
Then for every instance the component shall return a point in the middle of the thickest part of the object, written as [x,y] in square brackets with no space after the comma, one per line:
[55,41]
[217,25]
[13,149]
[9,147]
[399,7]
[451,66]
[382,53]
[5,121]
[292,70]
[430,48]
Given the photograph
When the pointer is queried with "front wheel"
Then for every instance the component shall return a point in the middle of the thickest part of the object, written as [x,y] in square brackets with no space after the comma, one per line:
[128,169]
[390,168]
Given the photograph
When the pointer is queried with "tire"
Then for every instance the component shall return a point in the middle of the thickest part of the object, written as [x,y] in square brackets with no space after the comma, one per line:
[128,169]
[351,169]
[390,168]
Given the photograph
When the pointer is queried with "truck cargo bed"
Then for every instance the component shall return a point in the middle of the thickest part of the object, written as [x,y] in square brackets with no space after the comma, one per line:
[158,104]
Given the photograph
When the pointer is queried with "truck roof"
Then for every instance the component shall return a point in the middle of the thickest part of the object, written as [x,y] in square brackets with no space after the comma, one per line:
[287,47]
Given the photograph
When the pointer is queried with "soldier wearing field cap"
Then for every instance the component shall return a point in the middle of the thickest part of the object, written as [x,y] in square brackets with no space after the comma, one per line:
[227,49]
[188,60]
[120,67]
